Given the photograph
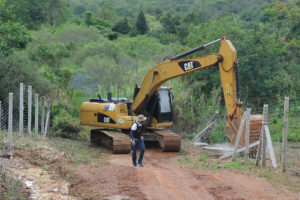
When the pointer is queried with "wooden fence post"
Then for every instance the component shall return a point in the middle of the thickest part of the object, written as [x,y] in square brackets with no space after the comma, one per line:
[36,120]
[10,120]
[21,112]
[264,139]
[238,137]
[43,116]
[285,133]
[247,134]
[29,108]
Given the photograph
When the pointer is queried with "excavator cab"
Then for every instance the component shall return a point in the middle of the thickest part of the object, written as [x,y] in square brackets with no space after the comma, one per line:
[160,106]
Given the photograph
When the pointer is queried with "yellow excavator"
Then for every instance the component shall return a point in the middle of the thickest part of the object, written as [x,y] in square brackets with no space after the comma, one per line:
[156,103]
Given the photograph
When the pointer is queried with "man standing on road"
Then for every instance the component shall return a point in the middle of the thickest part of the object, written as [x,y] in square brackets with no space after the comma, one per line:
[137,139]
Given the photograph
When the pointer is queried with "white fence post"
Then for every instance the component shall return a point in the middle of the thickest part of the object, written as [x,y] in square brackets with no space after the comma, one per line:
[258,153]
[47,119]
[21,114]
[29,108]
[285,133]
[203,133]
[10,120]
[264,139]
[36,120]
[270,146]
[238,137]
[239,150]
[43,116]
[247,134]
[0,116]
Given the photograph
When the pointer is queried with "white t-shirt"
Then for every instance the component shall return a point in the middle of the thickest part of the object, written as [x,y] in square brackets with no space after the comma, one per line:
[134,126]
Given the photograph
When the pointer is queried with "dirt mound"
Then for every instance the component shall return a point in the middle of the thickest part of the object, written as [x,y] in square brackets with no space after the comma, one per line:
[36,167]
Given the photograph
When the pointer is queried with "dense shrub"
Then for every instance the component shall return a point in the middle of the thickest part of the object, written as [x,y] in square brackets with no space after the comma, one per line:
[66,127]
[63,123]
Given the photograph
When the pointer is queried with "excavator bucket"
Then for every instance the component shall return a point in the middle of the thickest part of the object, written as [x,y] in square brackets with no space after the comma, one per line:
[232,129]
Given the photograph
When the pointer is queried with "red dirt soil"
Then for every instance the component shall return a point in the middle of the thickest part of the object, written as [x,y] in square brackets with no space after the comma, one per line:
[163,178]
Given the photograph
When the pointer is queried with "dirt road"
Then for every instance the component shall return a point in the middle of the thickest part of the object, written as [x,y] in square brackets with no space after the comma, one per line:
[53,175]
[162,177]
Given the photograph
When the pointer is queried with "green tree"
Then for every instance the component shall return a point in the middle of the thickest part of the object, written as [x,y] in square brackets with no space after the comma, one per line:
[6,11]
[196,17]
[33,13]
[16,68]
[57,12]
[79,10]
[262,62]
[88,18]
[169,23]
[141,23]
[12,35]
[107,11]
[284,20]
[122,26]
[158,13]
[102,23]
[30,13]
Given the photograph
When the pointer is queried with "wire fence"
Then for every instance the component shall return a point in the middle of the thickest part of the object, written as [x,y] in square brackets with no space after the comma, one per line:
[28,113]
[276,127]
[293,136]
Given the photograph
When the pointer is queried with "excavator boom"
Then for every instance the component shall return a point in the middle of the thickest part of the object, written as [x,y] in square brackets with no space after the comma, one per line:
[166,71]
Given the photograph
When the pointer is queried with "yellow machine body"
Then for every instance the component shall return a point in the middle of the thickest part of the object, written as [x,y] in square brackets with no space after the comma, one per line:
[111,115]
[106,115]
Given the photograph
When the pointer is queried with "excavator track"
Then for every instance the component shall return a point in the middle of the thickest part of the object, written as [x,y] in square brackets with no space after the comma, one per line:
[255,129]
[168,141]
[117,142]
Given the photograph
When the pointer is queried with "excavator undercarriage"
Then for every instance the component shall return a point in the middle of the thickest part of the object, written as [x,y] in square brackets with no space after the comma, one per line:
[119,143]
[113,140]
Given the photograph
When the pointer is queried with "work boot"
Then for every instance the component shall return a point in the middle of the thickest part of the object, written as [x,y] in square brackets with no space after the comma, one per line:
[140,164]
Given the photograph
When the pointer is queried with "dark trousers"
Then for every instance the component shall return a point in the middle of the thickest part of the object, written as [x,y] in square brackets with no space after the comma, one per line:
[138,144]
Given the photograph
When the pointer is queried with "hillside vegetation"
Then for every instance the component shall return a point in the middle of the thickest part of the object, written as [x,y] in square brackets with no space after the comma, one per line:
[74,49]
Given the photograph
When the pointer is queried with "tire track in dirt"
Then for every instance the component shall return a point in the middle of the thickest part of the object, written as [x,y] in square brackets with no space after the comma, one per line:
[101,181]
[163,180]
[162,177]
